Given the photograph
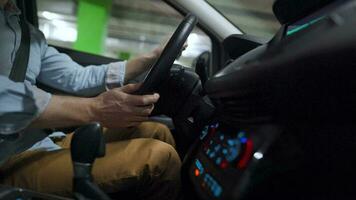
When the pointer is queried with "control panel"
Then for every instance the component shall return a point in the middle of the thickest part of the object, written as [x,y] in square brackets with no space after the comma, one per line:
[225,154]
[227,150]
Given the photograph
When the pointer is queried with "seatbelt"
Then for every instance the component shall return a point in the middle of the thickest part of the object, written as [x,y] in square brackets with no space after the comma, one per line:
[22,141]
[18,71]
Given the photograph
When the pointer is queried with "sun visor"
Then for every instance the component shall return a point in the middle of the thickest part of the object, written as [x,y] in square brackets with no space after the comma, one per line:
[287,11]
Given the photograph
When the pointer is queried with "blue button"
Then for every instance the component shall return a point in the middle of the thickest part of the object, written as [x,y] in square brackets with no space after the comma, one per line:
[217,191]
[225,151]
[222,137]
[204,132]
[213,185]
[241,134]
[212,155]
[231,142]
[218,160]
[217,147]
[199,166]
[243,140]
[198,163]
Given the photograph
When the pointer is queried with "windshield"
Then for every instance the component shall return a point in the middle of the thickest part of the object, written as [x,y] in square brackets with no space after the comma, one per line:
[254,17]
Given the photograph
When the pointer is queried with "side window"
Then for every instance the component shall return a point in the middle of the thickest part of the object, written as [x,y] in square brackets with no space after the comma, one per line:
[115,28]
[254,17]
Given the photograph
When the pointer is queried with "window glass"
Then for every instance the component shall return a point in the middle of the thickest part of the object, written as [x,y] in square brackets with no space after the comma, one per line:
[130,27]
[254,17]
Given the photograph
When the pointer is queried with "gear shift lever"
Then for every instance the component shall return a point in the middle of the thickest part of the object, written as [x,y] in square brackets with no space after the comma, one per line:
[86,145]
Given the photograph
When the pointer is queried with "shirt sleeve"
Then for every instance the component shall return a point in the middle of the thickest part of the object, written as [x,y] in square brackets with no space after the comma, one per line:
[59,71]
[20,104]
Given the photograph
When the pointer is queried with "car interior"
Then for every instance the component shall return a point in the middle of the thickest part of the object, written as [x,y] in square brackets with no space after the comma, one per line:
[276,121]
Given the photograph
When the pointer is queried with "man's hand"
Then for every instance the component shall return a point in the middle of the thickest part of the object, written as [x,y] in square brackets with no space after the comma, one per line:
[142,63]
[118,108]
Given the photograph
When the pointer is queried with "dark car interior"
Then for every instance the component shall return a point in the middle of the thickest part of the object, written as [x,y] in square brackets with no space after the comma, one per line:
[277,121]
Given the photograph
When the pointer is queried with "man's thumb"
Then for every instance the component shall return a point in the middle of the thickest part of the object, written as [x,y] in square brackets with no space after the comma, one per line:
[130,88]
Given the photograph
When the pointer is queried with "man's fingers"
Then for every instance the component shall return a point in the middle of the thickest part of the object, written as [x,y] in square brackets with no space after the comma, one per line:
[185,45]
[130,88]
[143,110]
[138,119]
[135,121]
[132,124]
[142,100]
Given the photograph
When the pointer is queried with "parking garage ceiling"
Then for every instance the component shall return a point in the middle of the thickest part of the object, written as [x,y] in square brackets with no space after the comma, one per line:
[138,26]
[129,16]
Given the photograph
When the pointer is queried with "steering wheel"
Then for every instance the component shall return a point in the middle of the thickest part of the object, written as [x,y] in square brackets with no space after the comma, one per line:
[159,72]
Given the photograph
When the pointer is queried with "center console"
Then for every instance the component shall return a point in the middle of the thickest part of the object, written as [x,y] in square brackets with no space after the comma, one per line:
[225,155]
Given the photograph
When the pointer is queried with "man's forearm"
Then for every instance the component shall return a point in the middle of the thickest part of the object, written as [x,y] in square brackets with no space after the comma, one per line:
[65,111]
[116,108]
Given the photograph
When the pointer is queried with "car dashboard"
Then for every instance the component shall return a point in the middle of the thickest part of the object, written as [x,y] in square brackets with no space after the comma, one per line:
[284,115]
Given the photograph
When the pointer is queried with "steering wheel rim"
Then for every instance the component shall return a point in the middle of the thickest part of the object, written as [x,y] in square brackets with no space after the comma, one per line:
[160,70]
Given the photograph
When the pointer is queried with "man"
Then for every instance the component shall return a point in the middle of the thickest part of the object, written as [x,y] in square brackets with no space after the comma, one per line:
[140,159]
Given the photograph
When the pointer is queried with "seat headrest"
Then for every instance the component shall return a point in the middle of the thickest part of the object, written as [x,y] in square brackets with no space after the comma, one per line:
[287,11]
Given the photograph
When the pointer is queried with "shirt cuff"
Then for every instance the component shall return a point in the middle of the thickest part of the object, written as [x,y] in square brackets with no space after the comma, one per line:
[115,75]
[42,100]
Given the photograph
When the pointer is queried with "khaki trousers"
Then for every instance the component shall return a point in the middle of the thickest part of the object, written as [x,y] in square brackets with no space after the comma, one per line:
[141,160]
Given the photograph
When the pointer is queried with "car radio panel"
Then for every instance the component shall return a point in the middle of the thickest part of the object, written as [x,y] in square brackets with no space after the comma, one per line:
[227,152]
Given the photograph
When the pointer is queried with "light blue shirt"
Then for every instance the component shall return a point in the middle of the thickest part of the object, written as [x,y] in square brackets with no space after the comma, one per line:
[22,103]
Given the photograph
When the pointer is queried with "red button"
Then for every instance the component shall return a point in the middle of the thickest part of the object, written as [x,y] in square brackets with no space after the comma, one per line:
[247,155]
[196,172]
[223,164]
